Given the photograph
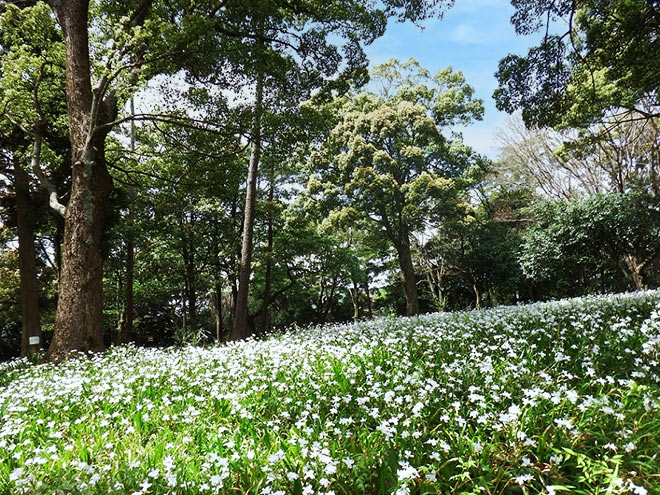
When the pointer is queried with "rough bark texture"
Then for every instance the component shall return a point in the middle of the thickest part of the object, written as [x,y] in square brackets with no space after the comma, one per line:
[78,320]
[408,274]
[30,315]
[240,329]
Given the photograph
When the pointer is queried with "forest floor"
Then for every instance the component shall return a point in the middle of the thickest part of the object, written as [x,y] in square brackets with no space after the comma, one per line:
[544,398]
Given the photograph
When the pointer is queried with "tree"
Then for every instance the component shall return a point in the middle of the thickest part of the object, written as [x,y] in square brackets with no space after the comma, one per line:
[286,51]
[388,159]
[607,61]
[571,164]
[580,245]
[129,51]
[531,159]
[32,121]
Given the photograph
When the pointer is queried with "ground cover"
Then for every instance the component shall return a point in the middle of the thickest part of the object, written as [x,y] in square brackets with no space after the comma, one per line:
[544,398]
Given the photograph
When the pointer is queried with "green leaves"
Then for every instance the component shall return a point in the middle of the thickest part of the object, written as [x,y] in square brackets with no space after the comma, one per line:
[388,152]
[31,69]
[608,57]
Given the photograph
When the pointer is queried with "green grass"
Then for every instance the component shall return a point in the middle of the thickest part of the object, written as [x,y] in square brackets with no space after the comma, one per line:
[545,398]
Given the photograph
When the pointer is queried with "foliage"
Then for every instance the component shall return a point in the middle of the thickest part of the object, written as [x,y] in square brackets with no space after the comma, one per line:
[607,58]
[531,399]
[583,243]
[387,157]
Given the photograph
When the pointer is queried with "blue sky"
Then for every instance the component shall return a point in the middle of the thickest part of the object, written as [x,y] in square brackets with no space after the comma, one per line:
[472,37]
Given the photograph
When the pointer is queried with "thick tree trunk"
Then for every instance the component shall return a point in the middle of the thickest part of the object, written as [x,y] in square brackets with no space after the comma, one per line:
[240,328]
[79,315]
[408,274]
[30,315]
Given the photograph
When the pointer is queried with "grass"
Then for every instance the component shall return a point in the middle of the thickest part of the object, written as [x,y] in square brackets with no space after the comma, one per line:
[545,398]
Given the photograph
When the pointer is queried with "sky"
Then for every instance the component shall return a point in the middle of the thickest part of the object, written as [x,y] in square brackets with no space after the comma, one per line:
[472,37]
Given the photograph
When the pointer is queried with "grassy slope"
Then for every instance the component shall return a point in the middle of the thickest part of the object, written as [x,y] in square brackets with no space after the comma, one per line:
[530,399]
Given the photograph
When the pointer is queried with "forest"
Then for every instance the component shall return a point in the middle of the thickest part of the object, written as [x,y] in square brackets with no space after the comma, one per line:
[244,252]
[189,172]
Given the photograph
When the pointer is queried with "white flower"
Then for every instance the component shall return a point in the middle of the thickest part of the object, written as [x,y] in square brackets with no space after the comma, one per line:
[524,478]
[637,490]
[406,471]
[16,474]
[403,490]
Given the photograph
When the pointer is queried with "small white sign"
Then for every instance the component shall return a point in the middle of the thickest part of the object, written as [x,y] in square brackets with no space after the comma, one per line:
[34,340]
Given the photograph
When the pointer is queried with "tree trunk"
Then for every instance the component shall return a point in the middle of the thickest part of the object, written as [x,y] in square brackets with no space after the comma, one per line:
[355,298]
[240,328]
[79,315]
[636,268]
[30,315]
[408,274]
[477,296]
[192,299]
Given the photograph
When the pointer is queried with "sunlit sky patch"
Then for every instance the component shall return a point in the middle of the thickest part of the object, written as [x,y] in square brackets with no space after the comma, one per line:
[472,37]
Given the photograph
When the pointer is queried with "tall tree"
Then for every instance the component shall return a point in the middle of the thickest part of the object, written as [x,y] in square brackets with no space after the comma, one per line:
[389,159]
[240,329]
[285,51]
[31,92]
[130,50]
[78,323]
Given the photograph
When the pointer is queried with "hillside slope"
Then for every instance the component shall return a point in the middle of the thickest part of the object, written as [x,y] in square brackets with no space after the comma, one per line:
[530,399]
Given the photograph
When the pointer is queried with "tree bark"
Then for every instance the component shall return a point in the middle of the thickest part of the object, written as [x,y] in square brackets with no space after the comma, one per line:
[240,328]
[79,315]
[30,315]
[477,296]
[408,274]
[636,268]
[355,298]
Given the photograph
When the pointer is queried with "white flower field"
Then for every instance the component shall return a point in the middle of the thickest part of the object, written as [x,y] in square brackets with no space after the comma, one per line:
[560,397]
